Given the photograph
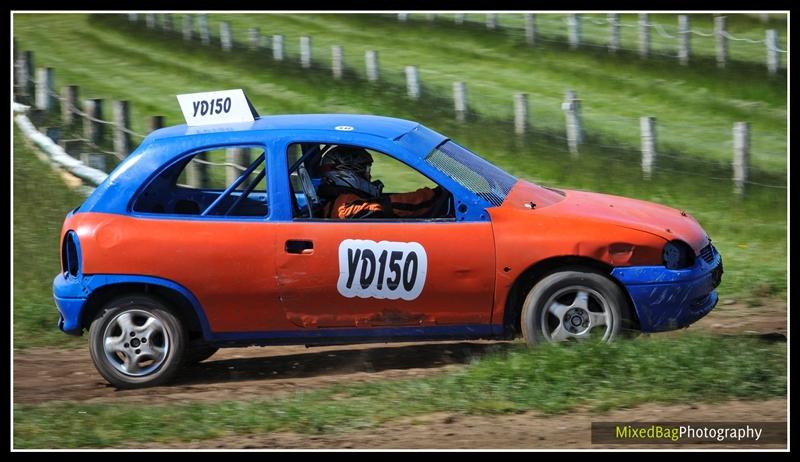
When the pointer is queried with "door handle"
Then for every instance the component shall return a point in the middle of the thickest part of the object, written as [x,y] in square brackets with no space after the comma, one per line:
[300,247]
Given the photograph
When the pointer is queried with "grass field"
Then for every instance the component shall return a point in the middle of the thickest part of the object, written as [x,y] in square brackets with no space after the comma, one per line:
[552,379]
[37,228]
[695,106]
[119,62]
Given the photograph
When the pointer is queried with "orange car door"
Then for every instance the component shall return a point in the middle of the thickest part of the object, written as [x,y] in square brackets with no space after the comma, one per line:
[370,274]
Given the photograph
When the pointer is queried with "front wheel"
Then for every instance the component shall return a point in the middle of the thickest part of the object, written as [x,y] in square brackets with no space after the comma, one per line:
[576,304]
[136,341]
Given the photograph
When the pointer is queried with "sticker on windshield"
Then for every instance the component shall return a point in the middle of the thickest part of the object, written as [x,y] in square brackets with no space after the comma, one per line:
[381,269]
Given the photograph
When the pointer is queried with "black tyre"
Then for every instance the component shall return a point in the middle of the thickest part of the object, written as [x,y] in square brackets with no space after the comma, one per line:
[198,351]
[135,341]
[574,304]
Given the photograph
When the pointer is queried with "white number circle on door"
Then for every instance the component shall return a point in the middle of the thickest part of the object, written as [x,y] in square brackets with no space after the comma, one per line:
[384,270]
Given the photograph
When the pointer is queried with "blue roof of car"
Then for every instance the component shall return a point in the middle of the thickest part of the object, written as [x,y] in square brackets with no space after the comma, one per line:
[384,127]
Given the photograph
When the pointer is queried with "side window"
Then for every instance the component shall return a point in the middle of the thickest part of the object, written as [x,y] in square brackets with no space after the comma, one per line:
[226,182]
[351,182]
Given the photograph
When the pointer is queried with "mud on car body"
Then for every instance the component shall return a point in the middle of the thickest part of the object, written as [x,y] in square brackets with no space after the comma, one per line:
[162,273]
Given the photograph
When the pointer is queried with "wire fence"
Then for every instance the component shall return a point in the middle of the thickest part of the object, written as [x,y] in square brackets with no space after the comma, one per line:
[651,37]
[71,135]
[544,112]
[550,127]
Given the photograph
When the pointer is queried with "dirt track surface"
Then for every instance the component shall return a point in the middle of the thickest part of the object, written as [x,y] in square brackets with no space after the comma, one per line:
[42,375]
[530,430]
[242,373]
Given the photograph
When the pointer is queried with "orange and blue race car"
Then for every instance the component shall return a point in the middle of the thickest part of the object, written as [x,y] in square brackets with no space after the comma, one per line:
[169,259]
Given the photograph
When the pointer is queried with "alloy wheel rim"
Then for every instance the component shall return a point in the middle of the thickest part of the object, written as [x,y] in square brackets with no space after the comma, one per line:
[136,343]
[576,313]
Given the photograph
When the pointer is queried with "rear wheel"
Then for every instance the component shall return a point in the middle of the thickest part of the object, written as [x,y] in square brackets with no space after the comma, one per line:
[136,341]
[574,304]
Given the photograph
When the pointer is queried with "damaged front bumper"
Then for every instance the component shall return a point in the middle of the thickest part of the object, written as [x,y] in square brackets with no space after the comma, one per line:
[667,299]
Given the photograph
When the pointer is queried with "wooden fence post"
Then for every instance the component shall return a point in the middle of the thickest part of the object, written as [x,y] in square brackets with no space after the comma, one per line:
[277,47]
[684,39]
[741,155]
[337,61]
[188,27]
[154,123]
[236,156]
[122,123]
[151,21]
[92,130]
[205,34]
[373,72]
[225,38]
[412,82]
[24,83]
[45,99]
[460,100]
[254,38]
[613,32]
[773,59]
[491,21]
[520,113]
[574,24]
[722,40]
[530,28]
[305,51]
[166,22]
[27,67]
[644,35]
[648,128]
[572,110]
[69,104]
[17,72]
[197,172]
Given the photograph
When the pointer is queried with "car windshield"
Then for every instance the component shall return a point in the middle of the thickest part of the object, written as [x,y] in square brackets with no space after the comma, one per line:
[472,172]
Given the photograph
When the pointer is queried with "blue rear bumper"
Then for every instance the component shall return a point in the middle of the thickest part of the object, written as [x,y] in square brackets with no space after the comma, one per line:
[670,299]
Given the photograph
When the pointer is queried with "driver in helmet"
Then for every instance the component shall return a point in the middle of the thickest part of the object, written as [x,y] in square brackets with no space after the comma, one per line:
[349,193]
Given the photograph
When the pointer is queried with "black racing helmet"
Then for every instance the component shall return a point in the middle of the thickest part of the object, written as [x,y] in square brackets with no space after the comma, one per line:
[348,167]
[347,158]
